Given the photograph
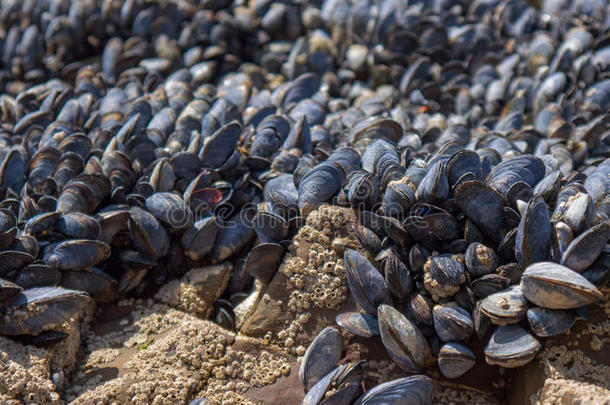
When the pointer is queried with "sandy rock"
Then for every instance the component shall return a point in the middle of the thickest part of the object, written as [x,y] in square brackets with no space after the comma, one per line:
[29,374]
[198,289]
[166,356]
[309,289]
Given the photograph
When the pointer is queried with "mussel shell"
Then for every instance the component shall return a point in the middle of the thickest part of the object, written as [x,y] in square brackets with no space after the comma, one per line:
[585,249]
[403,341]
[480,259]
[366,284]
[38,275]
[452,322]
[232,236]
[364,325]
[455,359]
[551,285]
[339,379]
[511,346]
[414,390]
[93,281]
[550,322]
[11,260]
[533,240]
[321,357]
[505,307]
[8,291]
[171,210]
[319,185]
[482,205]
[147,234]
[199,240]
[263,261]
[79,226]
[77,254]
[489,284]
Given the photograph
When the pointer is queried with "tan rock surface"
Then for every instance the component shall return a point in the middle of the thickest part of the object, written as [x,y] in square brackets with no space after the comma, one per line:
[33,375]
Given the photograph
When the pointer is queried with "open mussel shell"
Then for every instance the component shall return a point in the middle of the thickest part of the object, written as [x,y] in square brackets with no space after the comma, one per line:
[546,322]
[505,307]
[452,322]
[321,357]
[551,285]
[455,359]
[366,284]
[414,390]
[39,309]
[403,341]
[585,249]
[364,325]
[263,261]
[511,346]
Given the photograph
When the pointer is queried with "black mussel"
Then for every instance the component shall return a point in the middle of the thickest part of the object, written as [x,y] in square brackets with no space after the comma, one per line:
[321,357]
[364,325]
[79,226]
[533,239]
[319,185]
[455,359]
[511,346]
[403,341]
[452,322]
[480,259]
[263,261]
[443,276]
[147,234]
[171,210]
[551,285]
[366,284]
[416,390]
[76,254]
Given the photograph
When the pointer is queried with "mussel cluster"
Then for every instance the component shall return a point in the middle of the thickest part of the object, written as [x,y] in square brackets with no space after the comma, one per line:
[471,139]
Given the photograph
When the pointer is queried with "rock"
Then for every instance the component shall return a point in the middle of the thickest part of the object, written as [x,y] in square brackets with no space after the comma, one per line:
[198,289]
[168,356]
[29,374]
[309,289]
